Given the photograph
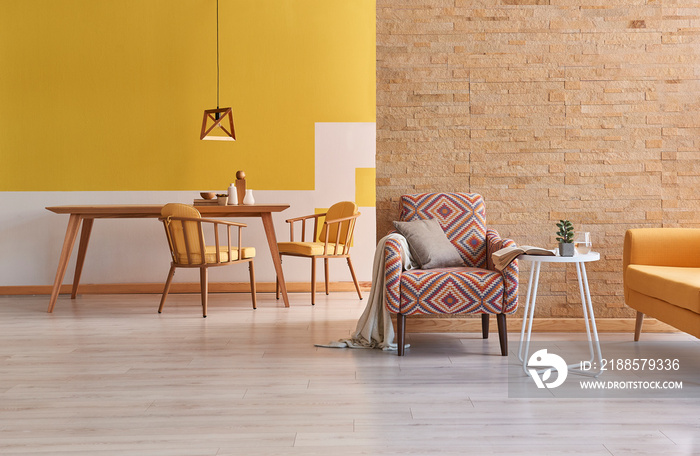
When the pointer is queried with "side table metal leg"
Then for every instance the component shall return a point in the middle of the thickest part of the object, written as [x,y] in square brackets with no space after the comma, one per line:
[525,313]
[524,359]
[591,329]
[584,305]
[594,329]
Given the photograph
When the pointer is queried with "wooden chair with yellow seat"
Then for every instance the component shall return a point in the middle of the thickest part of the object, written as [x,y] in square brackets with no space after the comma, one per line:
[333,241]
[184,228]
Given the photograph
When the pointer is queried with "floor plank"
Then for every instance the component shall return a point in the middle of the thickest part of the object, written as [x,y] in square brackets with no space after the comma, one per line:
[107,375]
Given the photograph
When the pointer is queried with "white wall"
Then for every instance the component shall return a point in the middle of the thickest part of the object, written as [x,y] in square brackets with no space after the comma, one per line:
[135,250]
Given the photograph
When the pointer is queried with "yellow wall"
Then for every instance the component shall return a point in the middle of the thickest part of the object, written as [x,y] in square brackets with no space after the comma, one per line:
[107,95]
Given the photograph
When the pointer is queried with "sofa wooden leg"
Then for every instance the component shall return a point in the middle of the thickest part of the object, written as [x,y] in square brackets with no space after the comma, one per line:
[485,326]
[502,333]
[401,330]
[638,326]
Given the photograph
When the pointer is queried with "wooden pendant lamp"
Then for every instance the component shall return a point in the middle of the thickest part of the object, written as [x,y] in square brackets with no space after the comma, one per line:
[218,116]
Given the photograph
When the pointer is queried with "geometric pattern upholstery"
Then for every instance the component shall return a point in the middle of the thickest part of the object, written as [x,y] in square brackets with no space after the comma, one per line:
[461,216]
[451,291]
[475,288]
[509,273]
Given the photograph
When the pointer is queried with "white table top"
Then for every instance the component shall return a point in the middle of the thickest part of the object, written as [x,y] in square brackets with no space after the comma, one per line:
[592,256]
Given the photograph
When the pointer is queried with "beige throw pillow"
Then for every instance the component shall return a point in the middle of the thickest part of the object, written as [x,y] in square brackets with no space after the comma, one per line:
[428,244]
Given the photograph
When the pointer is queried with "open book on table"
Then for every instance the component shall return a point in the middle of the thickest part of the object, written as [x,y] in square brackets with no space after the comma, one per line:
[503,257]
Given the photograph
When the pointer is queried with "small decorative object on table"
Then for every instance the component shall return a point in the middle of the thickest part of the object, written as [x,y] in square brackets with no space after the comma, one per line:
[222,199]
[249,199]
[208,195]
[232,195]
[240,186]
[565,236]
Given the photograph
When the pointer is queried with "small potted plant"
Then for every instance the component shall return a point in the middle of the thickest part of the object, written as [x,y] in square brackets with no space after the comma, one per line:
[222,199]
[565,236]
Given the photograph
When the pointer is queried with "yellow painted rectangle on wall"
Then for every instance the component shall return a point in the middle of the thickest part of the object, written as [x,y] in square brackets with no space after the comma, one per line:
[365,187]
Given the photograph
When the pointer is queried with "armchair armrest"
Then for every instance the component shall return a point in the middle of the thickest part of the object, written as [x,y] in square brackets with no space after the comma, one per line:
[223,222]
[304,217]
[393,267]
[678,247]
[303,220]
[207,220]
[342,219]
[494,242]
[228,245]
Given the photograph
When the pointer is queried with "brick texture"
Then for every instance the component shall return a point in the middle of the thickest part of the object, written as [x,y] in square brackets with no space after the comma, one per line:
[585,110]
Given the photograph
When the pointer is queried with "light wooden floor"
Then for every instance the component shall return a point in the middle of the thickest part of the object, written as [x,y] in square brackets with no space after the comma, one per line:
[107,375]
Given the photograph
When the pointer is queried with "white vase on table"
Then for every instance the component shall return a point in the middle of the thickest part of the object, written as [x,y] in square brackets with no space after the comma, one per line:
[232,195]
[249,199]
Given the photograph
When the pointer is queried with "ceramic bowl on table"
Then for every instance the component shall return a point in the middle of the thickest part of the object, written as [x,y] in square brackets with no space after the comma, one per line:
[208,195]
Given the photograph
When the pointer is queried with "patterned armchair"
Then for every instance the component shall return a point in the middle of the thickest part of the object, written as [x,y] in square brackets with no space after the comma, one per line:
[476,288]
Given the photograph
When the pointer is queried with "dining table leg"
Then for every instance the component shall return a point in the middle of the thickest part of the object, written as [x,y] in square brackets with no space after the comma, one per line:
[276,260]
[82,249]
[68,243]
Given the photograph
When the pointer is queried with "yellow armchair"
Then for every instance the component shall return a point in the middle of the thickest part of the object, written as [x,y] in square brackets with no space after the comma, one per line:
[661,276]
[185,233]
[333,241]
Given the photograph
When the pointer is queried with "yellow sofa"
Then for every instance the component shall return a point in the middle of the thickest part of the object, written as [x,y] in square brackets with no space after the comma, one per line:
[661,268]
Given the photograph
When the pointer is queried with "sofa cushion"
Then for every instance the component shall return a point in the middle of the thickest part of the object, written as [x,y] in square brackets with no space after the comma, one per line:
[309,248]
[210,255]
[677,286]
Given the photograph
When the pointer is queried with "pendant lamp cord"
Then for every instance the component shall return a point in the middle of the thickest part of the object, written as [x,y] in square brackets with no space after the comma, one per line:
[217,54]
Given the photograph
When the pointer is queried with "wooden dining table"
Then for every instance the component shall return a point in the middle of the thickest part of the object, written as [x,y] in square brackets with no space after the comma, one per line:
[86,215]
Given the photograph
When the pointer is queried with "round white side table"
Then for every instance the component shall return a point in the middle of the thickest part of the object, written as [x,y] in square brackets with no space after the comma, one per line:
[531,301]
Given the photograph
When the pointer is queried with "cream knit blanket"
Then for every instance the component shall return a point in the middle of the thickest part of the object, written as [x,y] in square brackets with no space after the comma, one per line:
[374,328]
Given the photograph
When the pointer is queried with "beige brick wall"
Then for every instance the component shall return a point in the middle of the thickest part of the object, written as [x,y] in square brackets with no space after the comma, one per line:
[586,110]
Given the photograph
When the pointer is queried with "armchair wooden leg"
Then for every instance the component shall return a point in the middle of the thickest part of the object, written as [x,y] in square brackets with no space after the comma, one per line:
[325,271]
[168,281]
[277,283]
[401,333]
[502,333]
[638,326]
[313,281]
[354,279]
[253,287]
[485,326]
[204,283]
